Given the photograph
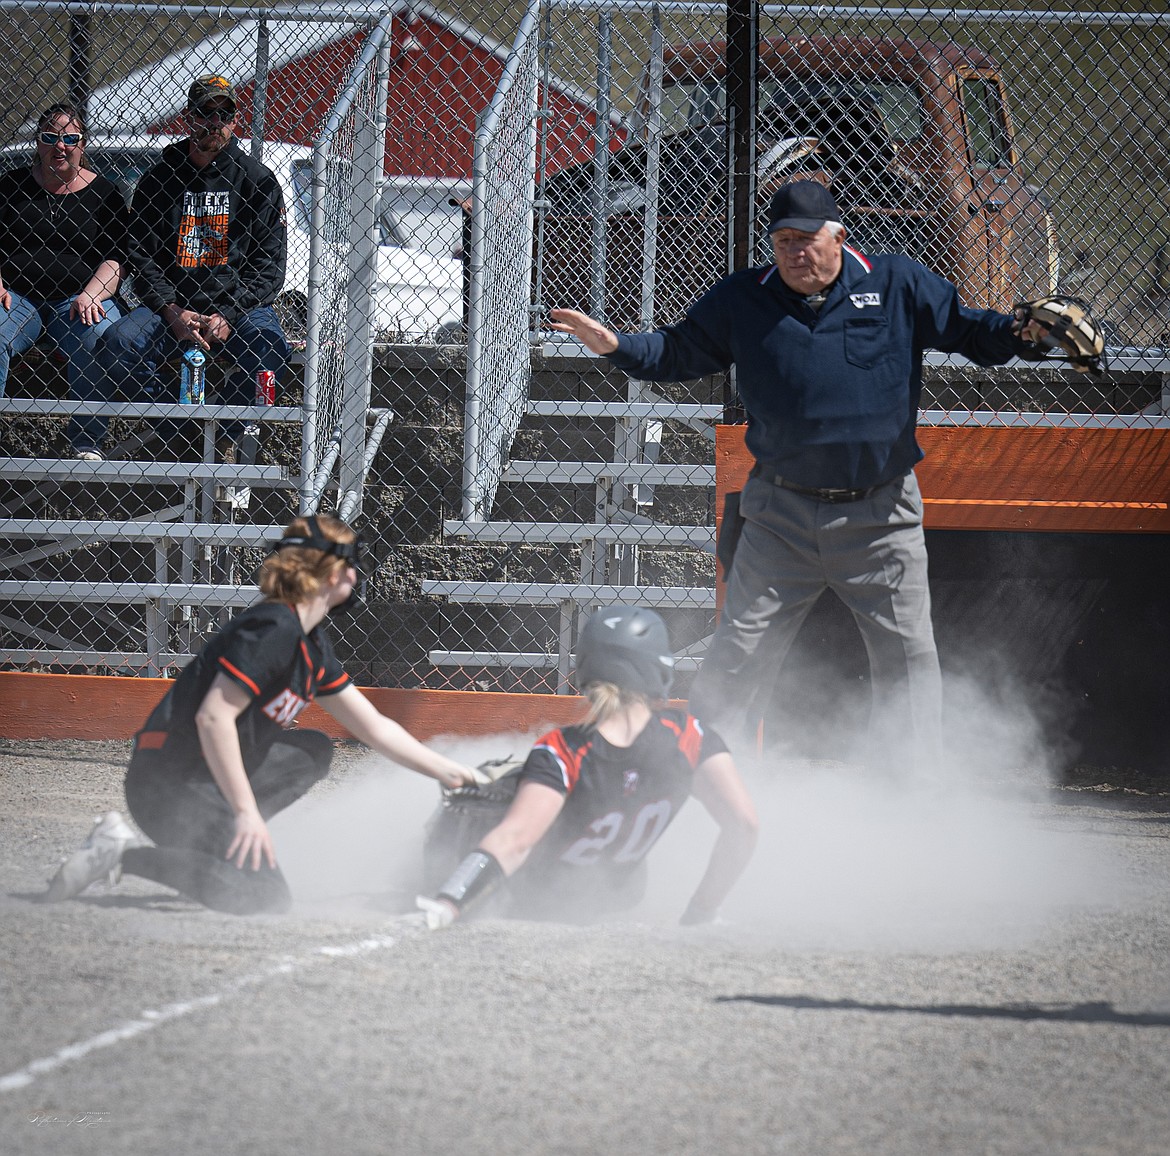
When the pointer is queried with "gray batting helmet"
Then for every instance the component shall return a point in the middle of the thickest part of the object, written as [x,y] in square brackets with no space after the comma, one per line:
[628,647]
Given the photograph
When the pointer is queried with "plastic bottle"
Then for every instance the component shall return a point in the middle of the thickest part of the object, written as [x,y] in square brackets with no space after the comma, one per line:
[192,377]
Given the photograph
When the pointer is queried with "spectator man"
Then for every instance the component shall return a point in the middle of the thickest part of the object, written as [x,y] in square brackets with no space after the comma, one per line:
[207,251]
[827,345]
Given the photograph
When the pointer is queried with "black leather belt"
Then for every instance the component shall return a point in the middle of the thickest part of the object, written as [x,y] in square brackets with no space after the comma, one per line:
[822,495]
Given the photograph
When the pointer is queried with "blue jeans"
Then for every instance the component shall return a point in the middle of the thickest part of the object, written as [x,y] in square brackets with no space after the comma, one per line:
[20,327]
[133,350]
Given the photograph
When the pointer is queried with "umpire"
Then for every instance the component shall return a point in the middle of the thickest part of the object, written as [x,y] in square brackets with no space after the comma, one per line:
[827,345]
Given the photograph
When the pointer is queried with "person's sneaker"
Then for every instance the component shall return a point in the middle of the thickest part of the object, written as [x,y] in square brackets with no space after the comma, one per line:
[99,857]
[88,456]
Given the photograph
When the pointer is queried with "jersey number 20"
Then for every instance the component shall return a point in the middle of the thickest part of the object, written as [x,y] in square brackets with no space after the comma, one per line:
[644,829]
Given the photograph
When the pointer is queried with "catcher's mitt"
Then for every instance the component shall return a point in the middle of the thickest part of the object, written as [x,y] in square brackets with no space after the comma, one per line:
[495,782]
[464,815]
[1062,324]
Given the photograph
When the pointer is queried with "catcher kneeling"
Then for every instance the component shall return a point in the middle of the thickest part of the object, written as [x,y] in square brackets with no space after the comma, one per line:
[216,759]
[591,800]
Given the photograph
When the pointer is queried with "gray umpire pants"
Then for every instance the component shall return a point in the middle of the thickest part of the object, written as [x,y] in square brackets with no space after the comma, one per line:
[872,554]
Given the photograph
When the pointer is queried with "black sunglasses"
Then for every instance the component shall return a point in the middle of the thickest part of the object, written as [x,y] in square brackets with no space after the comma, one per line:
[68,139]
[222,115]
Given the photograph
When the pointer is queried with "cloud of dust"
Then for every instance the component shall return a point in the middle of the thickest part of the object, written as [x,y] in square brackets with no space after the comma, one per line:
[354,843]
[846,859]
[850,859]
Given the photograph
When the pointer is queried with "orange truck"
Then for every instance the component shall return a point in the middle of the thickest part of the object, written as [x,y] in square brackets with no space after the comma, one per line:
[914,138]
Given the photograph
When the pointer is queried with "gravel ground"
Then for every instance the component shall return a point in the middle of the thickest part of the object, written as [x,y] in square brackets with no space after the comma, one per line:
[978,970]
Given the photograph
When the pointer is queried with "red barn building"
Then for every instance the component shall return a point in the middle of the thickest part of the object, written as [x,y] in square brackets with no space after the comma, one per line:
[443,73]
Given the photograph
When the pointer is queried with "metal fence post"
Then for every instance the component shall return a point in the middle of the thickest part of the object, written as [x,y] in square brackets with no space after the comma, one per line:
[260,91]
[653,156]
[503,188]
[369,151]
[325,347]
[601,167]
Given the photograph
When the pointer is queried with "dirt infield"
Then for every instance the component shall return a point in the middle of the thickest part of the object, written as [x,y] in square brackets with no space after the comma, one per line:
[982,971]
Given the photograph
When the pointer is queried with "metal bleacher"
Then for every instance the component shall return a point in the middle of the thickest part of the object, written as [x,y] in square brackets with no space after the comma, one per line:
[193,516]
[623,487]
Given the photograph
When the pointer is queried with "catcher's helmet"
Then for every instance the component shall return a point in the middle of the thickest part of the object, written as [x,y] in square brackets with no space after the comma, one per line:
[628,647]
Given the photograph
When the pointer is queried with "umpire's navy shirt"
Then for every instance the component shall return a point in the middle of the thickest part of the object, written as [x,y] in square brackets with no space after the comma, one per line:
[831,396]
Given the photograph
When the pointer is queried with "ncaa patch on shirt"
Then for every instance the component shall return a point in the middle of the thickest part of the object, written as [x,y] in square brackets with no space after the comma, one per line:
[861,300]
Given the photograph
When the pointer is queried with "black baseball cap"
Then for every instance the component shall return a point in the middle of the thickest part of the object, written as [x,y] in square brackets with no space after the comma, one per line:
[803,205]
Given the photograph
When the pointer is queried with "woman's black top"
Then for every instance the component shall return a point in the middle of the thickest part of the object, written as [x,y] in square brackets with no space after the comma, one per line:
[52,244]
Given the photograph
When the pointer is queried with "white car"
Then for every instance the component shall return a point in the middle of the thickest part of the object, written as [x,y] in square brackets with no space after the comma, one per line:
[426,213]
[418,287]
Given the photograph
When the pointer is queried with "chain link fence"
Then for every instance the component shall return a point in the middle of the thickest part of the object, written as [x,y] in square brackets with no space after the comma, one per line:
[347,171]
[500,273]
[133,523]
[1013,152]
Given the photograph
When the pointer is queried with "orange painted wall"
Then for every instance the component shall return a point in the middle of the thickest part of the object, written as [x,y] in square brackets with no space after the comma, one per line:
[75,706]
[977,478]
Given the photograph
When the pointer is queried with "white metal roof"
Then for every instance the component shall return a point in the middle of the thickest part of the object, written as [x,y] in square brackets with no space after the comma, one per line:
[158,92]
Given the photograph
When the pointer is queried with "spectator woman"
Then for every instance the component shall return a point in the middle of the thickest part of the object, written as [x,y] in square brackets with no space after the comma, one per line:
[62,239]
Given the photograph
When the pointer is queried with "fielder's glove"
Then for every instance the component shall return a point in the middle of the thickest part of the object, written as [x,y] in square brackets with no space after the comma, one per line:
[487,775]
[1062,324]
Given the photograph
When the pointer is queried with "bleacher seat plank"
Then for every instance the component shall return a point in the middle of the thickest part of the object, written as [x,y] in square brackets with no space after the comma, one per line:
[552,593]
[587,473]
[139,472]
[631,533]
[130,593]
[633,410]
[47,406]
[214,533]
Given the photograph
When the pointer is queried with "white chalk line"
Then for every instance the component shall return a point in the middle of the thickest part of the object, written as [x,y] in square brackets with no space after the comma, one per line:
[151,1018]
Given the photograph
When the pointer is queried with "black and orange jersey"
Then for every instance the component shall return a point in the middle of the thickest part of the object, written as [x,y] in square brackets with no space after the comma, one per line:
[264,650]
[619,800]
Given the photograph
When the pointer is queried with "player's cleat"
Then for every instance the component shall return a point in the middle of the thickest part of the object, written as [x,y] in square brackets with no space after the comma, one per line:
[88,456]
[438,912]
[99,857]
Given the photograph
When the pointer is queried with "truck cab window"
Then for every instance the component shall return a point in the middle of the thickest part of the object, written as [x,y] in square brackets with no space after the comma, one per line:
[690,104]
[986,123]
[687,104]
[900,105]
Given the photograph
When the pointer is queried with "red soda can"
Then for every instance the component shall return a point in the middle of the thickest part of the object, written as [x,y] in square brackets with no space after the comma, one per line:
[266,387]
